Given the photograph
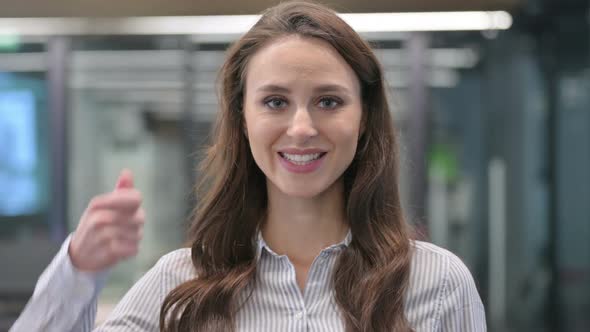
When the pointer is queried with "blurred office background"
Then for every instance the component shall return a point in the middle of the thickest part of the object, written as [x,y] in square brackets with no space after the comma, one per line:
[494,122]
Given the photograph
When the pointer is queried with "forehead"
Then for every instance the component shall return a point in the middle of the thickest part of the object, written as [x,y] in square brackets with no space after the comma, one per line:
[295,59]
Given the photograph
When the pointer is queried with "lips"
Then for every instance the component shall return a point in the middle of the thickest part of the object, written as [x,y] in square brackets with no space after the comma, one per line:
[301,151]
[301,161]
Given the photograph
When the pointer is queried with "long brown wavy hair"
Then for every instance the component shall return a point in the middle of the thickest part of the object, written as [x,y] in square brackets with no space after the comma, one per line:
[371,275]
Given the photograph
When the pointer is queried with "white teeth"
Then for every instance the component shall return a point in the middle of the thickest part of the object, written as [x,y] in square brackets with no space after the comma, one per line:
[301,158]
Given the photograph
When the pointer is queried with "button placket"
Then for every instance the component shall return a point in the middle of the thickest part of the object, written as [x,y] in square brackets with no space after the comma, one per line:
[299,315]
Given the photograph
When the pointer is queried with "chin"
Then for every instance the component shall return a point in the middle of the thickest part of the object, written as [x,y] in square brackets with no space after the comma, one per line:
[302,191]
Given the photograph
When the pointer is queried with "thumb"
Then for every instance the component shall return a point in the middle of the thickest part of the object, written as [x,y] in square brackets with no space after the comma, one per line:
[125,180]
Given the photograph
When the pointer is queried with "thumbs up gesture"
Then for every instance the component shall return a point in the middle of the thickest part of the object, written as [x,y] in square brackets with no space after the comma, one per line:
[110,228]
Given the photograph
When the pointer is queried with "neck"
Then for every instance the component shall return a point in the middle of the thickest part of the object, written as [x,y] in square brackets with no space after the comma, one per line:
[301,227]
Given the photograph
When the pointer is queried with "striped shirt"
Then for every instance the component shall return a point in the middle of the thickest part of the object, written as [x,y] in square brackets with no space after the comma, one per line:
[441,296]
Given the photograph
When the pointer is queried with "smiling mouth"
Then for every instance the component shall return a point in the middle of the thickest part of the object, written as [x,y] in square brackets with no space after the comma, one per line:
[302,159]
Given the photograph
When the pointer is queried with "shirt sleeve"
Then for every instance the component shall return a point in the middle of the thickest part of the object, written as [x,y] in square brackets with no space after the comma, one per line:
[64,299]
[461,308]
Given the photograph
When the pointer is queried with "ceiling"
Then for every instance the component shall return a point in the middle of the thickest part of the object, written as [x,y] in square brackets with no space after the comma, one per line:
[122,8]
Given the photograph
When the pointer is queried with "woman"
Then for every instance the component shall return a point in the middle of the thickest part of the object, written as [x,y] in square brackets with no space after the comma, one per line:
[299,226]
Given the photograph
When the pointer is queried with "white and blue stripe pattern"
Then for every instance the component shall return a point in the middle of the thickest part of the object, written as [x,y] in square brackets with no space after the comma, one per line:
[441,297]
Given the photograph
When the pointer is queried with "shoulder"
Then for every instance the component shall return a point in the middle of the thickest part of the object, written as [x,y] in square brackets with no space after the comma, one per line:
[438,267]
[441,263]
[180,256]
[140,307]
[439,281]
[176,267]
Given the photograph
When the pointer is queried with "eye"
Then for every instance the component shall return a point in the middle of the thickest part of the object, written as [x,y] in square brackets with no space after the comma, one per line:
[329,102]
[275,103]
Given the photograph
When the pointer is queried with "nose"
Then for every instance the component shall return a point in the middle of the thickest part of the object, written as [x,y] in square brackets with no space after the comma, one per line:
[302,126]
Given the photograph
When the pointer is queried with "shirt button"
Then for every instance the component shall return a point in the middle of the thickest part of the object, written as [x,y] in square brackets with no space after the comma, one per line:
[299,315]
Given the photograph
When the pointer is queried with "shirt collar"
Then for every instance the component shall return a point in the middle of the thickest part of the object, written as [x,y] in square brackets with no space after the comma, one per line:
[261,245]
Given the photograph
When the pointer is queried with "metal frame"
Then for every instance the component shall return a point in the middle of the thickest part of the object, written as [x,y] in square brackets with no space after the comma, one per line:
[57,53]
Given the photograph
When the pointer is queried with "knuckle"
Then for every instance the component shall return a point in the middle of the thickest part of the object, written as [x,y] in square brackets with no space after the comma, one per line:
[108,253]
[99,225]
[104,242]
[128,250]
[108,239]
[133,251]
[138,221]
[139,196]
[133,195]
[94,203]
[103,218]
[113,251]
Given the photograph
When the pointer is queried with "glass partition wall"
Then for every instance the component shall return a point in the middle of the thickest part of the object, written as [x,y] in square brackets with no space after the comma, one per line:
[127,110]
[31,230]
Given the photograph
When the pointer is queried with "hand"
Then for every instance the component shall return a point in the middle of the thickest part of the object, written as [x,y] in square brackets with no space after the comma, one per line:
[110,229]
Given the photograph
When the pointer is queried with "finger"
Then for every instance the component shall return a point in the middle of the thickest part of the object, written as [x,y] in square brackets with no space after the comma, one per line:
[123,249]
[103,218]
[120,229]
[125,180]
[124,219]
[123,199]
[132,221]
[138,218]
[127,233]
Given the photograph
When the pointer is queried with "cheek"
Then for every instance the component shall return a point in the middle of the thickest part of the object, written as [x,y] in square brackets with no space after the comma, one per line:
[258,132]
[351,144]
[347,133]
[261,137]
[347,140]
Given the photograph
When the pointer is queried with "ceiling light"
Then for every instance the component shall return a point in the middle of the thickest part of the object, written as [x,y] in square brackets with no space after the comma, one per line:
[238,24]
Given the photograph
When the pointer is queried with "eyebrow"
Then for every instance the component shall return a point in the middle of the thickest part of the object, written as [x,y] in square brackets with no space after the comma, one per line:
[319,89]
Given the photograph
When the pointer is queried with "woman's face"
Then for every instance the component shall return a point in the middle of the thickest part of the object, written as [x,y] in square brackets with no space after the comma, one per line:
[303,113]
